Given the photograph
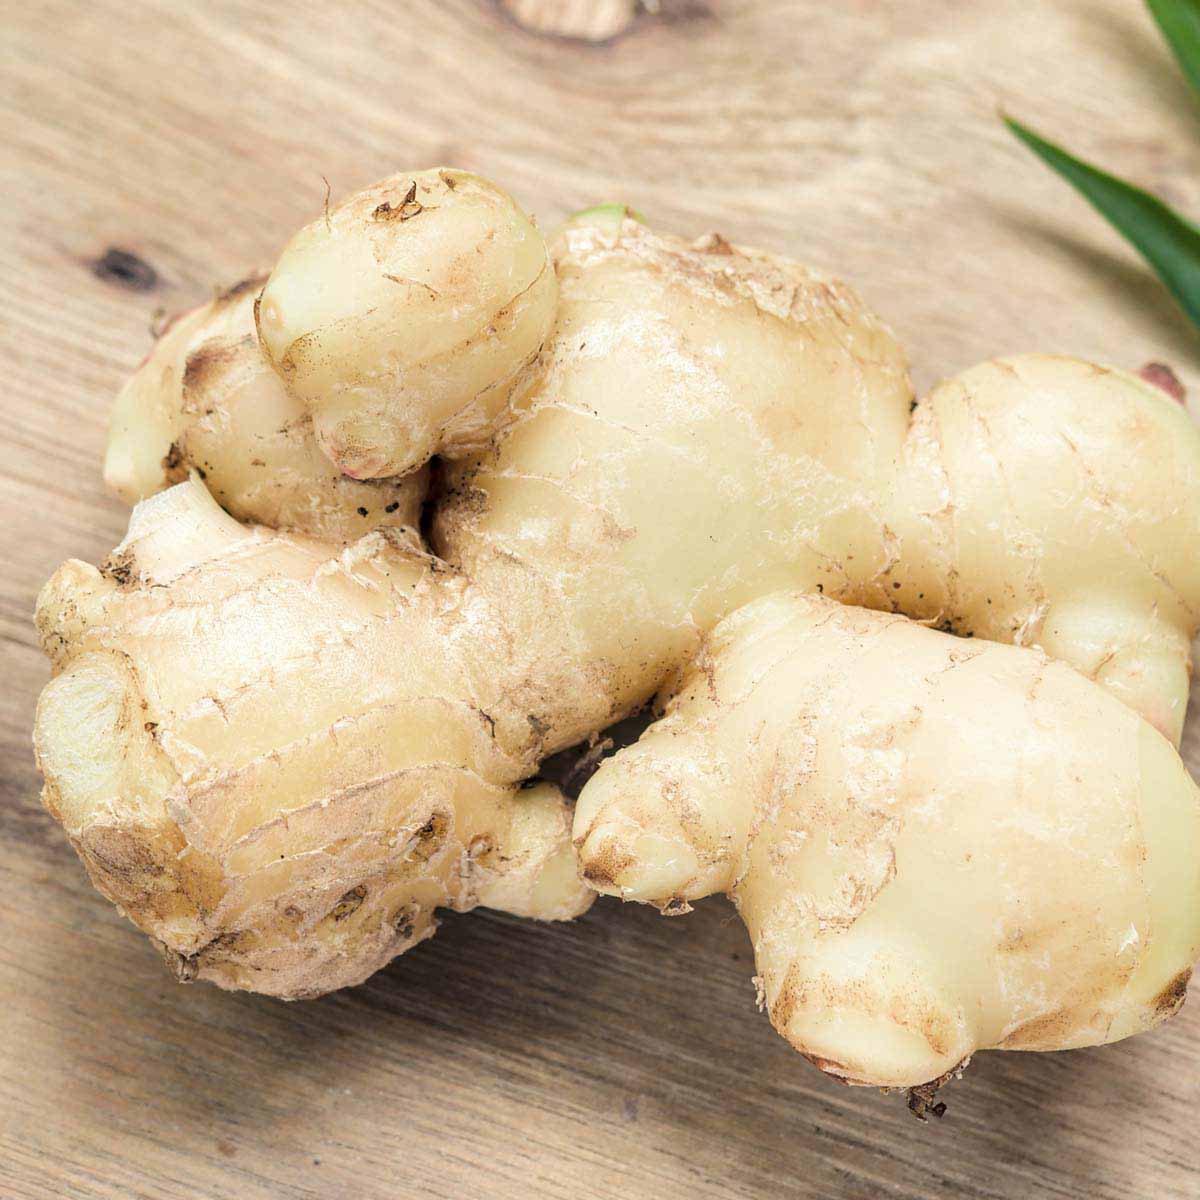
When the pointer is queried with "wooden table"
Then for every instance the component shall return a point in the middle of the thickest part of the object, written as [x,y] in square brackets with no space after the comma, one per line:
[154,148]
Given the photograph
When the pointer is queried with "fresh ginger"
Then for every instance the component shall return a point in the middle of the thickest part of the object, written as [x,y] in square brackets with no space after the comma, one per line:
[280,742]
[937,845]
[208,400]
[402,320]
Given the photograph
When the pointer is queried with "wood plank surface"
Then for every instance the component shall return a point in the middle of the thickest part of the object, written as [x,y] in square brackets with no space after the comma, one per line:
[152,149]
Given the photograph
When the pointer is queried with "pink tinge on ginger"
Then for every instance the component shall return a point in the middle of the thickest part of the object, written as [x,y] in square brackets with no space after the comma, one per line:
[1161,376]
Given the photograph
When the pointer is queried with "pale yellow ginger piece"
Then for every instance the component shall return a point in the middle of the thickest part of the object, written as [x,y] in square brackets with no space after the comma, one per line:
[1059,505]
[271,758]
[938,846]
[702,426]
[206,399]
[401,316]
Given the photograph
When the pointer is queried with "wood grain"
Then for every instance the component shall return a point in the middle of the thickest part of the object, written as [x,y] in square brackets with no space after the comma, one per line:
[153,149]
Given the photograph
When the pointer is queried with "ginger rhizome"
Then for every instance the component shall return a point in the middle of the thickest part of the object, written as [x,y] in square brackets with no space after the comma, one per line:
[208,400]
[937,845]
[284,729]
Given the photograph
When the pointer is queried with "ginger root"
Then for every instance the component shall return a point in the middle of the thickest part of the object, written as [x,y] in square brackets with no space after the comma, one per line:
[282,731]
[208,400]
[938,846]
[402,319]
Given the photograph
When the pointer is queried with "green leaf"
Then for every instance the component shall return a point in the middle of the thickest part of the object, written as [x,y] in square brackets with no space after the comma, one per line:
[1168,242]
[1179,21]
[610,213]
